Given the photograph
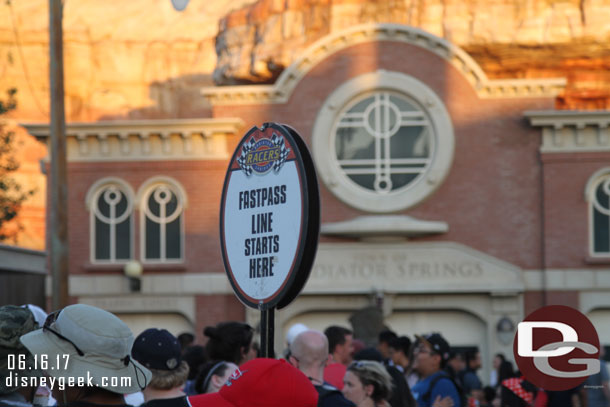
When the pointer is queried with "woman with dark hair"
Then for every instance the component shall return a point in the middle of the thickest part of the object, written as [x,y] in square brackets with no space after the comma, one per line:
[505,371]
[195,357]
[493,376]
[230,342]
[213,375]
[400,353]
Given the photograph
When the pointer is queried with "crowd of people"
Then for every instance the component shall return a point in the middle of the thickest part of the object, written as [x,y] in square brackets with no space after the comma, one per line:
[83,356]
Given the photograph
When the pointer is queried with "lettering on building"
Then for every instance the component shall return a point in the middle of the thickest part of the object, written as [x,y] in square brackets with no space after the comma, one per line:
[422,270]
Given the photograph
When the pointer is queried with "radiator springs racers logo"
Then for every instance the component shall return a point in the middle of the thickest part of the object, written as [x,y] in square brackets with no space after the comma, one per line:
[260,156]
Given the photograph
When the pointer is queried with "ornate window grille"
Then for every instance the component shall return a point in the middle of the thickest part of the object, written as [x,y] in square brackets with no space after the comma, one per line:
[598,193]
[162,224]
[111,210]
[382,142]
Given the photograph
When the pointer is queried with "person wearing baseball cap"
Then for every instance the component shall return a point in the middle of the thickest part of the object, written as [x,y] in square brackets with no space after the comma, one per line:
[160,352]
[435,386]
[262,382]
[89,350]
[14,322]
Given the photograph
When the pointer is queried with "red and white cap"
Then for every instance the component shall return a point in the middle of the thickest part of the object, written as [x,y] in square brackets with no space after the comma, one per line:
[262,383]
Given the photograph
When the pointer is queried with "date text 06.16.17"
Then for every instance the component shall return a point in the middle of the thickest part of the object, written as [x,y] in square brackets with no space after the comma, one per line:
[42,362]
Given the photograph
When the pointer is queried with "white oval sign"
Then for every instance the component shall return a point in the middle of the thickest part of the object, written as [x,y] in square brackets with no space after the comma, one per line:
[266,214]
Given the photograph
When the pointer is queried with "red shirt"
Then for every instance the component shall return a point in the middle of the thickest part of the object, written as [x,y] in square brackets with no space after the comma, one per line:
[334,374]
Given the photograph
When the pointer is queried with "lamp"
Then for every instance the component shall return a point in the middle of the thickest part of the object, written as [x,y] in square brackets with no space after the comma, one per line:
[505,330]
[133,271]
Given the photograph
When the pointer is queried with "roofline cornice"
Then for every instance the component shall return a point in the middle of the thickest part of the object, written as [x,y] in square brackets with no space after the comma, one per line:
[144,140]
[207,127]
[572,131]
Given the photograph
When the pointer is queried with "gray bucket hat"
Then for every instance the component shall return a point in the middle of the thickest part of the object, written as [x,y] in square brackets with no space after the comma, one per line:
[98,345]
[14,322]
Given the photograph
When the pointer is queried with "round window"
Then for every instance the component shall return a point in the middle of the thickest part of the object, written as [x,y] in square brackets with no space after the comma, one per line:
[383,142]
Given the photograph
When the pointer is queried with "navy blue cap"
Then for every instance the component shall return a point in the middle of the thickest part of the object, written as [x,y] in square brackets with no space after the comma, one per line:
[157,349]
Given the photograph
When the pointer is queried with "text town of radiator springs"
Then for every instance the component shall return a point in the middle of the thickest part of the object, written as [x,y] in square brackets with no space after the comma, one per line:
[262,224]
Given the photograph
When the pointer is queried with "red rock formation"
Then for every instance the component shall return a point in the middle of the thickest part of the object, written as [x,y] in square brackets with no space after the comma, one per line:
[509,39]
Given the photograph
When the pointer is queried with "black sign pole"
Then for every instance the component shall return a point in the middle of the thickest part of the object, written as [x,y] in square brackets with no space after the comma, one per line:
[267,332]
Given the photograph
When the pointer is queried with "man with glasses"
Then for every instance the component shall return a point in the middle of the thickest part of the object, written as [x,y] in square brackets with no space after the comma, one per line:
[435,386]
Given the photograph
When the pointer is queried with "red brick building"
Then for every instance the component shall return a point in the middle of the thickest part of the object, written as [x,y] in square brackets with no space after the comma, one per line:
[452,201]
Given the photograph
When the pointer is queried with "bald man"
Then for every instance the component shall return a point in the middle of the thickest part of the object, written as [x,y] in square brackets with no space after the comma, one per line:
[309,354]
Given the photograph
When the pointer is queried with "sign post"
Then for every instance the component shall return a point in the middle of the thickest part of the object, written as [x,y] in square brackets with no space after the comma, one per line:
[267,332]
[269,221]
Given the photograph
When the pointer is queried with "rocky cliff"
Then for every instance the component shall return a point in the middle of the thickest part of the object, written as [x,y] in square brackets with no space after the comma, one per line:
[508,38]
[142,58]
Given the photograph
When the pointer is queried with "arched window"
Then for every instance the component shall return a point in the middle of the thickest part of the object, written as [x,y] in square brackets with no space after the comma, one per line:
[598,197]
[110,204]
[383,142]
[162,206]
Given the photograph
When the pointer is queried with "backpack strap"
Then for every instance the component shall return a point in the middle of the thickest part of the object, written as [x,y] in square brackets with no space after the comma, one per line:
[443,375]
[426,396]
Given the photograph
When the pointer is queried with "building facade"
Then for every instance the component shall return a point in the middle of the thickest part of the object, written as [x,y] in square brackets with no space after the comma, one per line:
[22,276]
[451,201]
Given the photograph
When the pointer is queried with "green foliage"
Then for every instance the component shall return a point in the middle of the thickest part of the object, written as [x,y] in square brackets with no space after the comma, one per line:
[10,103]
[12,194]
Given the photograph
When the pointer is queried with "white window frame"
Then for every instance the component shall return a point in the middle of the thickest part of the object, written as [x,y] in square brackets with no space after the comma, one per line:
[91,203]
[600,176]
[143,194]
[323,146]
